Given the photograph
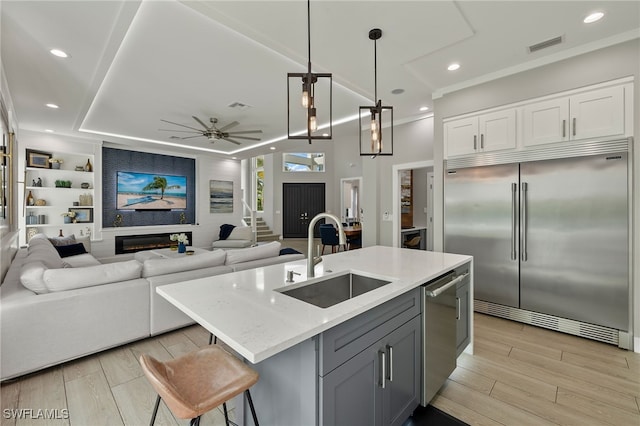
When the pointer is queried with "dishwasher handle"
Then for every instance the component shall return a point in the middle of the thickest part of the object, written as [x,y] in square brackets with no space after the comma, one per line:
[442,289]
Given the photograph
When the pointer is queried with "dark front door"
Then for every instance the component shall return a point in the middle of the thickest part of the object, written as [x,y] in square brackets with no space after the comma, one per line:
[300,203]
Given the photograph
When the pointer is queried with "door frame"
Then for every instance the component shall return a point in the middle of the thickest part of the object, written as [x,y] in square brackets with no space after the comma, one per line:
[395,196]
[342,181]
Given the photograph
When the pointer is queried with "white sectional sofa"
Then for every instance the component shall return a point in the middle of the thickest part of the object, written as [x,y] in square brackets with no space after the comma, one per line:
[54,309]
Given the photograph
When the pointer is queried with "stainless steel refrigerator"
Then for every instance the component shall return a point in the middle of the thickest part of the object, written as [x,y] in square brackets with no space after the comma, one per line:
[548,237]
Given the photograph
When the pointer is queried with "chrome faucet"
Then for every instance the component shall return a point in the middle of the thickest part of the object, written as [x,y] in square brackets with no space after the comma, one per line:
[311,260]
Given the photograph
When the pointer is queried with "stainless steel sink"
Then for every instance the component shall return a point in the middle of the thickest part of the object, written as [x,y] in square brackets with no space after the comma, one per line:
[335,289]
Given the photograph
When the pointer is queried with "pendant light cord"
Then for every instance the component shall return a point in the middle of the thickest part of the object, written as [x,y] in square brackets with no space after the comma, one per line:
[309,33]
[375,71]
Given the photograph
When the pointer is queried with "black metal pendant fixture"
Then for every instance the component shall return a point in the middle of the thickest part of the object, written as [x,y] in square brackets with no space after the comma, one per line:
[379,117]
[316,99]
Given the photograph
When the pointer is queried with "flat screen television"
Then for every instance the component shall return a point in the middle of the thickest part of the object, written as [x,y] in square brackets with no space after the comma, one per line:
[146,191]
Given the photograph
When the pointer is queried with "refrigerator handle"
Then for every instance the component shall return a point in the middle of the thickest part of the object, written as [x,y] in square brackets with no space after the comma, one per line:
[524,222]
[514,209]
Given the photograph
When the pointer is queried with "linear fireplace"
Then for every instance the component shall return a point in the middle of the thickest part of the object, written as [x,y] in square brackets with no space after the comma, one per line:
[133,243]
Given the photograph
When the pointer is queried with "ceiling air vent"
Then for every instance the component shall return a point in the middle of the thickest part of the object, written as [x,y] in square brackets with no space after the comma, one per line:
[545,44]
[239,105]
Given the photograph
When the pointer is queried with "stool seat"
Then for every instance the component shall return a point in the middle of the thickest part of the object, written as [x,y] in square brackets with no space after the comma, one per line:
[199,381]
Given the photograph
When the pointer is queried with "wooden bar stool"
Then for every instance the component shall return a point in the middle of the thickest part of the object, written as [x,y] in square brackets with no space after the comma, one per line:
[199,381]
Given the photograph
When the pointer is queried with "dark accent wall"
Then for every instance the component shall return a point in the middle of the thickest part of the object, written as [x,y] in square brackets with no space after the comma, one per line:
[120,160]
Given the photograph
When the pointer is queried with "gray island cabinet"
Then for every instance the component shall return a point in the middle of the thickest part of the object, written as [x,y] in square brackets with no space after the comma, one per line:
[365,371]
[357,362]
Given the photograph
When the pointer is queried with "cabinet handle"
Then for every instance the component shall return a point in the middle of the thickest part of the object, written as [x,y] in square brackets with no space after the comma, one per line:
[481,140]
[574,126]
[564,128]
[457,309]
[382,357]
[475,142]
[390,361]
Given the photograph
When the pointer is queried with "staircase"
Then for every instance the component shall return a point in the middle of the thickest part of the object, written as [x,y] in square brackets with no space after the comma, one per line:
[264,232]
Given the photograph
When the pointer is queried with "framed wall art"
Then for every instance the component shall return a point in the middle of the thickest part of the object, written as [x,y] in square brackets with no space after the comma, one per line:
[221,196]
[38,159]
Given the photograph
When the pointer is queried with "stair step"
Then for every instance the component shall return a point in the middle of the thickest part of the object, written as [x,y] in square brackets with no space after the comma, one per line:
[268,237]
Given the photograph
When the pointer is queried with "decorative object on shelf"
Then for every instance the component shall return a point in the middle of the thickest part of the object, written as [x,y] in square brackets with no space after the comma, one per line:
[181,239]
[39,183]
[60,234]
[31,219]
[42,219]
[79,168]
[31,232]
[30,199]
[85,185]
[117,221]
[183,218]
[88,167]
[310,81]
[69,216]
[86,199]
[63,184]
[40,202]
[38,159]
[55,162]
[82,215]
[376,113]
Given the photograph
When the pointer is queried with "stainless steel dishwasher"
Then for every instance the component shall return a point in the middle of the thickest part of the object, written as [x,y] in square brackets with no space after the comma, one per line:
[441,310]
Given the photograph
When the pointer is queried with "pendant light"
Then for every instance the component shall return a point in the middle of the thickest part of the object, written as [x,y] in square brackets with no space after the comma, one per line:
[380,140]
[313,103]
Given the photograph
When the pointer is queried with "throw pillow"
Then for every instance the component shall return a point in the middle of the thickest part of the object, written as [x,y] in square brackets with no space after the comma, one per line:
[288,250]
[262,251]
[162,266]
[63,241]
[70,249]
[88,276]
[240,233]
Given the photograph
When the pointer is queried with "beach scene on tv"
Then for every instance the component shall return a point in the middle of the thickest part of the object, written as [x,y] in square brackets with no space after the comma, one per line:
[137,191]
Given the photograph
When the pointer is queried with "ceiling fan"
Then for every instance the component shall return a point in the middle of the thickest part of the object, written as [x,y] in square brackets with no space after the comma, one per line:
[212,132]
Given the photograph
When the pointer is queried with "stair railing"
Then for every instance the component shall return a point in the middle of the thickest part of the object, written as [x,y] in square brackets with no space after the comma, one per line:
[252,215]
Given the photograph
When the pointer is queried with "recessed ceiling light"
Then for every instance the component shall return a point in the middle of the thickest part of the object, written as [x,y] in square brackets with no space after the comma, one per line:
[596,16]
[53,106]
[48,130]
[424,108]
[59,53]
[453,67]
[397,91]
[273,148]
[234,158]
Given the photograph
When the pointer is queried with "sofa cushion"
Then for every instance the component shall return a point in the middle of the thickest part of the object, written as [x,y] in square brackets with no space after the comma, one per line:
[154,267]
[43,251]
[231,244]
[72,278]
[31,274]
[240,233]
[253,253]
[70,249]
[80,260]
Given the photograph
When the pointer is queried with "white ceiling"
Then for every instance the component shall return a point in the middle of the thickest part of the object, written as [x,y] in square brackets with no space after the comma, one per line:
[134,63]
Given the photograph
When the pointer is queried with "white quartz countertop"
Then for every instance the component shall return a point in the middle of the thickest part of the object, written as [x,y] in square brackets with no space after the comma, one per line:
[243,310]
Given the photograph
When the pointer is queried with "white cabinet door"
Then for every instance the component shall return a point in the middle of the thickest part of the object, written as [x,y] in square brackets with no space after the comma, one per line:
[497,130]
[597,113]
[546,122]
[461,136]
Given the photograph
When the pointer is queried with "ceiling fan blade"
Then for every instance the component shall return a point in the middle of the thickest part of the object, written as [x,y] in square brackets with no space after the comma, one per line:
[228,126]
[191,137]
[181,125]
[200,121]
[245,137]
[231,140]
[179,131]
[245,131]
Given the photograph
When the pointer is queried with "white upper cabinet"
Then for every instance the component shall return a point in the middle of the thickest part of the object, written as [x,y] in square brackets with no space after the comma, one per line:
[593,114]
[482,133]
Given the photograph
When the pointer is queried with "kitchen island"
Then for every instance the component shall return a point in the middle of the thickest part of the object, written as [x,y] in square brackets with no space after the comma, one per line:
[282,336]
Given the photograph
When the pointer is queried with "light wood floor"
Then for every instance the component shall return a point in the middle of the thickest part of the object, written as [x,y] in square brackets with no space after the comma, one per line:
[525,375]
[519,375]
